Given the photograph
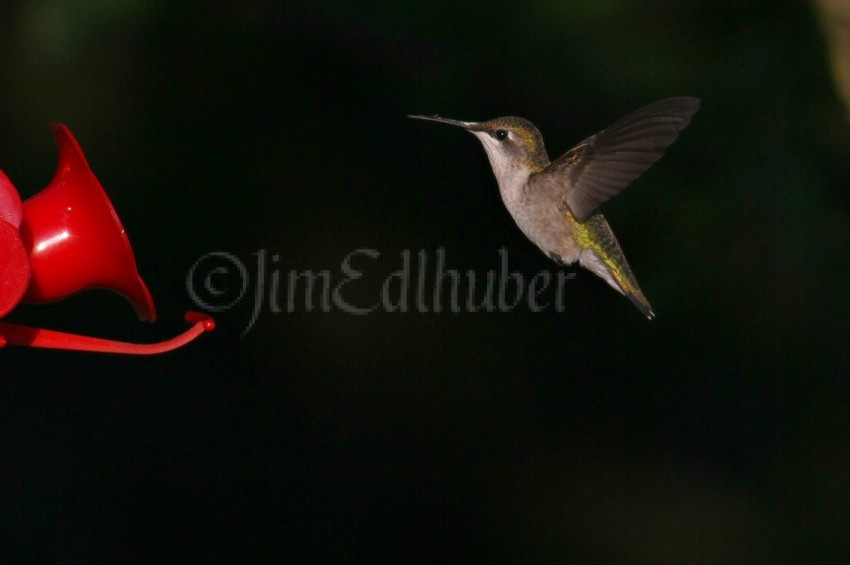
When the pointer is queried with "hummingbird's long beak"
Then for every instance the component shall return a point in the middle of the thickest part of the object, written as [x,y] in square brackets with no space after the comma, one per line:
[436,118]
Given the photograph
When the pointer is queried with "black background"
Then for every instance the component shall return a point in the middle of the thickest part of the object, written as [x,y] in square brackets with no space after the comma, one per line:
[717,432]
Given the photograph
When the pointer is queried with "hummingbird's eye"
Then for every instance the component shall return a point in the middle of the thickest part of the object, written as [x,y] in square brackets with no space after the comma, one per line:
[501,134]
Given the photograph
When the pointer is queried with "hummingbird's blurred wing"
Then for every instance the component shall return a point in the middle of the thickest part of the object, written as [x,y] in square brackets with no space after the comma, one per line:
[604,164]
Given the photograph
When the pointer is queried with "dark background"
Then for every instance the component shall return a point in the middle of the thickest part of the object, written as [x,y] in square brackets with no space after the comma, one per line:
[717,432]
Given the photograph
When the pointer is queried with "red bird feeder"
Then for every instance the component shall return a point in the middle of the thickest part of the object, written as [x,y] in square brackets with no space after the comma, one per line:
[63,240]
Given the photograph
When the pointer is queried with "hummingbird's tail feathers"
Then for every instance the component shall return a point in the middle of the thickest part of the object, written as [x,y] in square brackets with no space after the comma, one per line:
[620,279]
[602,255]
[639,300]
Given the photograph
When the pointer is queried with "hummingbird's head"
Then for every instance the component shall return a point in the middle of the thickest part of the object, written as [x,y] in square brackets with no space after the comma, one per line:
[513,144]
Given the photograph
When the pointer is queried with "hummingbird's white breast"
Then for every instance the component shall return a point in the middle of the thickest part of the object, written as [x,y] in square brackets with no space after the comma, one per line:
[537,213]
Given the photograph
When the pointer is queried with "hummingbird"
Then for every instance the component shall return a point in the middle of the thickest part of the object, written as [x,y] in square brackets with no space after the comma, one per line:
[555,203]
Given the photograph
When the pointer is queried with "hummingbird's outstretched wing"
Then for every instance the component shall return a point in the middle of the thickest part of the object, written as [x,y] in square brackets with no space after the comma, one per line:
[604,164]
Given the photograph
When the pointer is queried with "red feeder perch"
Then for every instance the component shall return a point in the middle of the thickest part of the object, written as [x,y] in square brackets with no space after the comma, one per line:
[63,240]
